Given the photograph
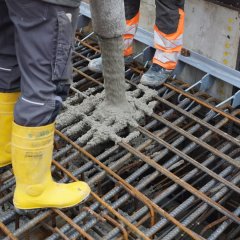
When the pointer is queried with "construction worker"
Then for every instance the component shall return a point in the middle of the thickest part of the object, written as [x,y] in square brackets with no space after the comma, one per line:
[168,38]
[35,54]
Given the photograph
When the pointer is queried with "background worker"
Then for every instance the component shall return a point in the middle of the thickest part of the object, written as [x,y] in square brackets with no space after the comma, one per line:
[168,39]
[35,70]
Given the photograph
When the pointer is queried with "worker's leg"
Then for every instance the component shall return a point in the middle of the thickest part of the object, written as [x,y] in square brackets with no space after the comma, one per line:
[132,14]
[9,83]
[168,32]
[132,19]
[44,35]
[168,38]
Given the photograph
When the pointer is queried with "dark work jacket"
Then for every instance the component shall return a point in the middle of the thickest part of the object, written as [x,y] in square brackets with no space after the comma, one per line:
[68,3]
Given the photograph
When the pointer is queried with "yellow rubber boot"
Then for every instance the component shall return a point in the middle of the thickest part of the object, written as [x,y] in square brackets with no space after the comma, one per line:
[7,103]
[32,149]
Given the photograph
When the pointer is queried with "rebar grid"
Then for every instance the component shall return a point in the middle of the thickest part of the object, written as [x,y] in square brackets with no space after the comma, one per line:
[176,178]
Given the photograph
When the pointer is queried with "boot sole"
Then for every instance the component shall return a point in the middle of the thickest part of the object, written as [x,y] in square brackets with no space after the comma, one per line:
[154,84]
[94,70]
[25,212]
[151,84]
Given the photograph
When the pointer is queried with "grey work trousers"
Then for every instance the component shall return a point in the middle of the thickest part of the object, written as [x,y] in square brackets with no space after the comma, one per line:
[36,40]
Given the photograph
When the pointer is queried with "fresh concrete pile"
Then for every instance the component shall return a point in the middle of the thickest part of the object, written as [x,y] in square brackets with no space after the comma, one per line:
[103,123]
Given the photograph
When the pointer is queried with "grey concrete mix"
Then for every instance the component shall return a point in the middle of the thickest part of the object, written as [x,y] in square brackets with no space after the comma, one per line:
[104,123]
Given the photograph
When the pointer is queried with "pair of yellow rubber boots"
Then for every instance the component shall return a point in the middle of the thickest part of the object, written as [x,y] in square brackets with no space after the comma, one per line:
[30,149]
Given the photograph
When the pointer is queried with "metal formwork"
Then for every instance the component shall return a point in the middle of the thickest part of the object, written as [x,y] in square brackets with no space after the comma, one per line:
[177,176]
